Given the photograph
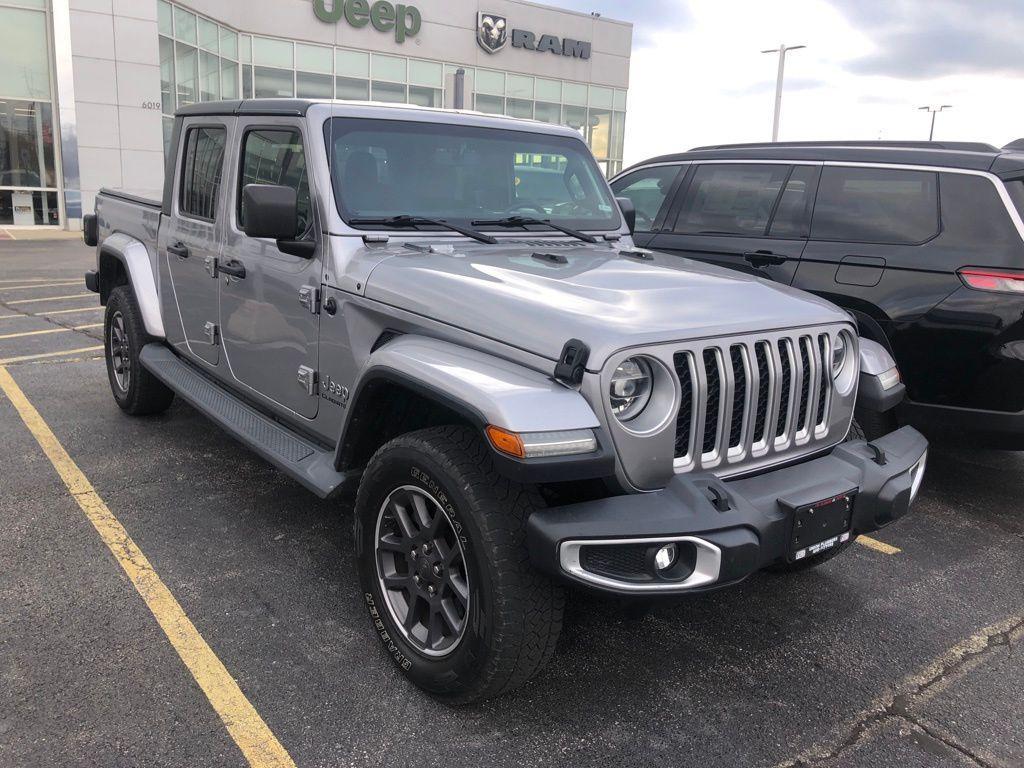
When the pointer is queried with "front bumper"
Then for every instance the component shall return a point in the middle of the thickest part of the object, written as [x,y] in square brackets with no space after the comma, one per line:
[727,530]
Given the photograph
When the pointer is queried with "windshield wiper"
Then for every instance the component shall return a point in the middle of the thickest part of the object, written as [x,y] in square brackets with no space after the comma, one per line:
[416,221]
[525,221]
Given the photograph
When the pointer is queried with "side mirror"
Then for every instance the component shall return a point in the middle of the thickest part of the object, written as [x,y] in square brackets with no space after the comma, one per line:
[628,212]
[270,211]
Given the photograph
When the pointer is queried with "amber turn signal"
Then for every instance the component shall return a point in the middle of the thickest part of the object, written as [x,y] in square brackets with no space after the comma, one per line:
[506,442]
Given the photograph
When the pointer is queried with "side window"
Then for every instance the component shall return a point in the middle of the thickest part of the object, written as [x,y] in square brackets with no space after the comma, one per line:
[276,156]
[731,199]
[974,217]
[793,214]
[876,205]
[647,188]
[201,172]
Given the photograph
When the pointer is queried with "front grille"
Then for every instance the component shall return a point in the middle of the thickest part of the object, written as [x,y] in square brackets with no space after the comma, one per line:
[751,398]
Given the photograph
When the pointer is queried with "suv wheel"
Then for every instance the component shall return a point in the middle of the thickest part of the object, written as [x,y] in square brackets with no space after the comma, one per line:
[135,389]
[444,570]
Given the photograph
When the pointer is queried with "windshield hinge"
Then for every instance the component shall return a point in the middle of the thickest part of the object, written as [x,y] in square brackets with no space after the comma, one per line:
[307,378]
[376,239]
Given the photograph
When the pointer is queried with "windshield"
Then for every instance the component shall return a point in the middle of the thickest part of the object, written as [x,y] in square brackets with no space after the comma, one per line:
[384,168]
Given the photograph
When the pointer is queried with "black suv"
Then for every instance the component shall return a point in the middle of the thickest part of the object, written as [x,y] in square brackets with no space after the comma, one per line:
[922,242]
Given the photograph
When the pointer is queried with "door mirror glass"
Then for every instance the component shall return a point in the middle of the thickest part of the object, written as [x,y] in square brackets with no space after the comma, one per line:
[628,212]
[270,211]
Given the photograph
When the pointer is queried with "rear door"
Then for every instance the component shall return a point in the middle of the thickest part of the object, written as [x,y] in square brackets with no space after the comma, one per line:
[190,240]
[752,217]
[270,316]
[651,189]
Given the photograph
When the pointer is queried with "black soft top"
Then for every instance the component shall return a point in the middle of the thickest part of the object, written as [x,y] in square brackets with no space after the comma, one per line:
[973,156]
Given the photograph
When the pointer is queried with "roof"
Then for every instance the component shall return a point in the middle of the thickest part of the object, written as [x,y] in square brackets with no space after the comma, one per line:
[366,109]
[966,155]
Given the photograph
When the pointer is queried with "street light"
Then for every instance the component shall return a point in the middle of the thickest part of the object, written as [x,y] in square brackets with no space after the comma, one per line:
[934,111]
[781,50]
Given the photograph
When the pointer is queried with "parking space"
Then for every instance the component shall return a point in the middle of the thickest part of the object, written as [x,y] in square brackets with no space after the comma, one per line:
[906,650]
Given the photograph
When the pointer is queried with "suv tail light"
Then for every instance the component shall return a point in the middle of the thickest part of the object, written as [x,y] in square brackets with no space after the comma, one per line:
[992,280]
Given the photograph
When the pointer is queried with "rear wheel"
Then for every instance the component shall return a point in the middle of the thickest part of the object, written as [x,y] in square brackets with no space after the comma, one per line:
[443,565]
[135,389]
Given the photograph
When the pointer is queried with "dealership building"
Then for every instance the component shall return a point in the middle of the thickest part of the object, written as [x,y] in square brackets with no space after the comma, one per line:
[88,87]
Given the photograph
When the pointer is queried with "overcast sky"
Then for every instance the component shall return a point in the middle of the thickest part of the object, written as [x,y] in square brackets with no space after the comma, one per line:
[698,76]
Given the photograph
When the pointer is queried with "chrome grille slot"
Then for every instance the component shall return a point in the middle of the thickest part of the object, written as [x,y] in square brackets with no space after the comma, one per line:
[746,400]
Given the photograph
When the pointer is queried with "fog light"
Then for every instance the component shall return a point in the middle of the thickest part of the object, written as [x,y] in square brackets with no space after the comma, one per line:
[666,557]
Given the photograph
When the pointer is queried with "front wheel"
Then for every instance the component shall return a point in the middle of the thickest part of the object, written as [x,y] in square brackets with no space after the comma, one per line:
[444,570]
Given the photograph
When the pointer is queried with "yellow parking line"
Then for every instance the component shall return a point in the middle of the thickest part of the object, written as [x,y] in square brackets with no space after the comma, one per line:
[249,731]
[29,358]
[67,311]
[878,546]
[87,327]
[25,280]
[50,298]
[40,285]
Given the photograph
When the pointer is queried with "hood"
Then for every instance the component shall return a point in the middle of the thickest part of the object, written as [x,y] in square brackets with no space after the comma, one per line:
[607,300]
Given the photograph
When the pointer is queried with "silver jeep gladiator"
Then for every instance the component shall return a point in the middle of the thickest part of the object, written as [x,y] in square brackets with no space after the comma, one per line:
[445,313]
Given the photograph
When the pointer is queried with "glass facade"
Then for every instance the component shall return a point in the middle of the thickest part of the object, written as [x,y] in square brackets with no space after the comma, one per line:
[28,178]
[203,61]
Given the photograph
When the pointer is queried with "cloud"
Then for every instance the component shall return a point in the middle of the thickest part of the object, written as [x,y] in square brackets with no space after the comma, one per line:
[924,39]
[648,16]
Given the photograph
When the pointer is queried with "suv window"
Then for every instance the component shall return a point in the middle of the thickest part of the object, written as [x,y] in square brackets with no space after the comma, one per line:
[203,165]
[731,199]
[1016,190]
[647,188]
[876,205]
[276,156]
[793,213]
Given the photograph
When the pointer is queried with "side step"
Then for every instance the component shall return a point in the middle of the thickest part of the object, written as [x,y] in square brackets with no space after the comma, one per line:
[297,457]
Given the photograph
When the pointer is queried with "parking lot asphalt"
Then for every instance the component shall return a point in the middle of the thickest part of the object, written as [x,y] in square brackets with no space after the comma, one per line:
[905,653]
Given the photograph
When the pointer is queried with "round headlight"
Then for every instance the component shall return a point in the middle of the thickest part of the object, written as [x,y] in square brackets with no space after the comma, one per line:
[631,388]
[840,351]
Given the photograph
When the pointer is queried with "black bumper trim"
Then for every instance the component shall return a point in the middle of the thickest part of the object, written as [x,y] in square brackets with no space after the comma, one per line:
[755,532]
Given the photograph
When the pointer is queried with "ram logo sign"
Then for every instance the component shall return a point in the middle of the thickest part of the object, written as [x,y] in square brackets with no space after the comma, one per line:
[493,34]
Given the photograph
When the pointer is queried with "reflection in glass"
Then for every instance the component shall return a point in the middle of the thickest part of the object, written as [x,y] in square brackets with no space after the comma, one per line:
[228,79]
[26,144]
[188,73]
[24,62]
[274,83]
[425,97]
[351,89]
[209,76]
[491,105]
[600,132]
[167,76]
[310,85]
[548,113]
[389,92]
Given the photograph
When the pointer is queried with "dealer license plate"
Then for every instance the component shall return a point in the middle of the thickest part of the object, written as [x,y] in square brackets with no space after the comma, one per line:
[821,526]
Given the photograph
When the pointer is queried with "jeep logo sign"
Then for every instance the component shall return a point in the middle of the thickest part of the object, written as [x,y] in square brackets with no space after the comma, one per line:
[405,20]
[492,33]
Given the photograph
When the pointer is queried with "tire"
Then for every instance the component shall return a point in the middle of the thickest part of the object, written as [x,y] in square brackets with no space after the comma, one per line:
[873,425]
[504,627]
[136,391]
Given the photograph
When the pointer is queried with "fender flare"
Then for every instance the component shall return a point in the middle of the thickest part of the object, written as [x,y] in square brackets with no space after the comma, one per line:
[483,390]
[877,392]
[134,255]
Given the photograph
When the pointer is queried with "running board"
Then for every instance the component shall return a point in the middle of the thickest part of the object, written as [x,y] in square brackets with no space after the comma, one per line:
[309,464]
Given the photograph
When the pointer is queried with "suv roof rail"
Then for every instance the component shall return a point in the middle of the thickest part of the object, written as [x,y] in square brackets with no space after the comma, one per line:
[958,146]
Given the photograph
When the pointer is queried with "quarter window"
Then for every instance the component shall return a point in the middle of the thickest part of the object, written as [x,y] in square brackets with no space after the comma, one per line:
[201,173]
[731,200]
[876,205]
[276,157]
[648,189]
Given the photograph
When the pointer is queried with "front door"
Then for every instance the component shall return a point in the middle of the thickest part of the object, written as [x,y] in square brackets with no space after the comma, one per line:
[270,317]
[751,217]
[190,239]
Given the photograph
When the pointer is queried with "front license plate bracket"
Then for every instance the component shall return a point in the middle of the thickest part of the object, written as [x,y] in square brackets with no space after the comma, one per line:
[821,526]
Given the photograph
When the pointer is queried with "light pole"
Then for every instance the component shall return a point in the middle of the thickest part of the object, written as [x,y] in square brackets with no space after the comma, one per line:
[781,50]
[934,111]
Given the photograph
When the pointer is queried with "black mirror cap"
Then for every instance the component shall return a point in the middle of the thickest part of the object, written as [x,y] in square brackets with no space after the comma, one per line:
[90,230]
[628,212]
[270,211]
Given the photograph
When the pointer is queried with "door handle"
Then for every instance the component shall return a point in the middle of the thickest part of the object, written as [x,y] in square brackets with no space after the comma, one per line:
[764,259]
[178,249]
[233,268]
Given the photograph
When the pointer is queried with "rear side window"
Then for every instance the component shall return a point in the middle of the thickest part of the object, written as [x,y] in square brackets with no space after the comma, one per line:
[975,219]
[793,213]
[876,205]
[647,188]
[201,172]
[277,157]
[731,200]
[1016,190]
